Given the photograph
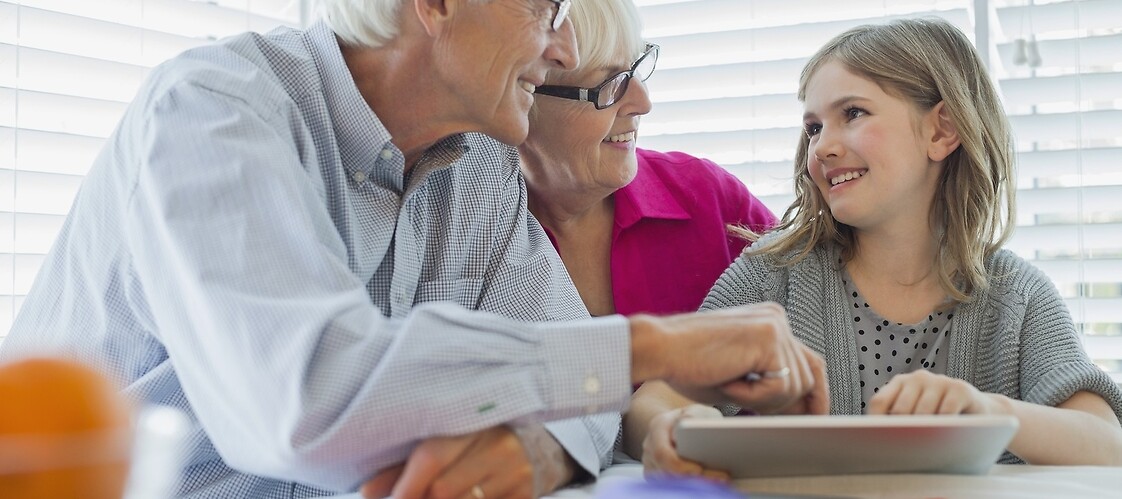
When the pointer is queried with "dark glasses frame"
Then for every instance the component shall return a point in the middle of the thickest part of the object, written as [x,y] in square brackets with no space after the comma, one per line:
[592,95]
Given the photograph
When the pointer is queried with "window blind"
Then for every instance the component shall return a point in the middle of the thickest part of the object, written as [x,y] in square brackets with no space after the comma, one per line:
[67,70]
[728,73]
[724,90]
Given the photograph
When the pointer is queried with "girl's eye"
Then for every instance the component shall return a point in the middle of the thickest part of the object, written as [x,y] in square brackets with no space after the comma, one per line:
[854,113]
[811,129]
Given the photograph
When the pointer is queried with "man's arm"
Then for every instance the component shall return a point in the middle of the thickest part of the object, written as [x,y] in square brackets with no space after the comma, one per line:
[289,368]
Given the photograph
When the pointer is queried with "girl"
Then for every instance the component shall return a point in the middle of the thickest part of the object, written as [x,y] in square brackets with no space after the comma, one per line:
[889,262]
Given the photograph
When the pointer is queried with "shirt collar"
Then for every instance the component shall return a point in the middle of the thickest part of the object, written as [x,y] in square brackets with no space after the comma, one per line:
[647,197]
[360,134]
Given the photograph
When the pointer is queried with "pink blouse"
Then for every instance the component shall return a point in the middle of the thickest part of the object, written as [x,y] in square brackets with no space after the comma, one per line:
[669,241]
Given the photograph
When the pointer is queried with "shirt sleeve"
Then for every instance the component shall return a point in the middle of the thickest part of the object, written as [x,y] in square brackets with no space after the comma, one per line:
[288,366]
[740,284]
[548,296]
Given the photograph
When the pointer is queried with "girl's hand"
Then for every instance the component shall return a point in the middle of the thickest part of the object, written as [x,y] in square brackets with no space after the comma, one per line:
[660,451]
[923,393]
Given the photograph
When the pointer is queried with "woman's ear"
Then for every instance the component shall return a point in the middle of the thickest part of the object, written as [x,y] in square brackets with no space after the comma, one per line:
[942,135]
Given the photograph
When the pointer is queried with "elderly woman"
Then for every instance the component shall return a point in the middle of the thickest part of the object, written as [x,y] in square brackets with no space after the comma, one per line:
[639,231]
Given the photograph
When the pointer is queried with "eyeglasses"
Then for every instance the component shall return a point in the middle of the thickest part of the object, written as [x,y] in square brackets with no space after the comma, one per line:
[561,13]
[611,90]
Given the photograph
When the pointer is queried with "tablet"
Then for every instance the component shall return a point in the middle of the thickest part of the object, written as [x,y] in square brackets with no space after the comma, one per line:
[768,446]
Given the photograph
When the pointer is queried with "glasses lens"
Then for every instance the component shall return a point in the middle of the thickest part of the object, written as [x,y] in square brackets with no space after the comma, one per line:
[646,65]
[612,90]
[561,14]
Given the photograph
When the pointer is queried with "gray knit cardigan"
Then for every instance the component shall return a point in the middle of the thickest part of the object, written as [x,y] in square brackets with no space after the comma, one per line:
[1017,338]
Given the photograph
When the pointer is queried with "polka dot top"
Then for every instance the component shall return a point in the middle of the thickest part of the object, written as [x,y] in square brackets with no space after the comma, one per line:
[885,349]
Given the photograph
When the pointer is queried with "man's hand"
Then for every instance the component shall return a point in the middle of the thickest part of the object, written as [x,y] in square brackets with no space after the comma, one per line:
[499,462]
[706,357]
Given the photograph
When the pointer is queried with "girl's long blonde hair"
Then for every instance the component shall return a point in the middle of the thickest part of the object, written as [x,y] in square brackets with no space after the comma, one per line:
[923,61]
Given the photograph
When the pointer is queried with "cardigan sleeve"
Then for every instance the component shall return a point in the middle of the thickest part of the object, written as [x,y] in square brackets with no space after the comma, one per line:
[1054,365]
[750,279]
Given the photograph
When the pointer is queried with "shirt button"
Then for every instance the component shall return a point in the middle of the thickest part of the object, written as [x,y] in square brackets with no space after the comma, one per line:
[592,385]
[359,177]
[387,154]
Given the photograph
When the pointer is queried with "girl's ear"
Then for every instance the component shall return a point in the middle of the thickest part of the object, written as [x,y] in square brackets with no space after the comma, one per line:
[942,135]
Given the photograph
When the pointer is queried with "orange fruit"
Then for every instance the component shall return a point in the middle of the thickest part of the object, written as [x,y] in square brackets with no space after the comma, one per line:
[64,432]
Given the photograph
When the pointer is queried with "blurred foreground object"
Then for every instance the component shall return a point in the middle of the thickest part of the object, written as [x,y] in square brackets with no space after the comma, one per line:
[65,432]
[158,454]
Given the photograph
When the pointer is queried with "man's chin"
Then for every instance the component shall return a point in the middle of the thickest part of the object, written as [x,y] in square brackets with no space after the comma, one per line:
[510,135]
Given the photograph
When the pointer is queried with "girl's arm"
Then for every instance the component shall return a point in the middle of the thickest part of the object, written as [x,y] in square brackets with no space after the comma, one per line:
[1082,430]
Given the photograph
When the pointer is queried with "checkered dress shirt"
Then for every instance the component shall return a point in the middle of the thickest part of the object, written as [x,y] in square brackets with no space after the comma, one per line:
[248,248]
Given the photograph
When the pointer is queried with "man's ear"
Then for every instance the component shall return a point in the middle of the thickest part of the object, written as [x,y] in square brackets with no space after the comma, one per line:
[434,15]
[943,136]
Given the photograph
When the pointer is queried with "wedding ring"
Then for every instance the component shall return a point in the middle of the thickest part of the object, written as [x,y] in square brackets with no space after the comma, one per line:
[477,492]
[782,373]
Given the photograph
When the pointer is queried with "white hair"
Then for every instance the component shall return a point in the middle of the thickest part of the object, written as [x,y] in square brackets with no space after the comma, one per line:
[365,23]
[608,32]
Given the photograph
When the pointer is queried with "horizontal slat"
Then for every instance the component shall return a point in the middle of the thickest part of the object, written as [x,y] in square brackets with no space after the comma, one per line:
[22,269]
[736,113]
[1072,239]
[1067,127]
[1086,161]
[29,233]
[1065,55]
[670,18]
[65,114]
[48,152]
[47,30]
[729,147]
[184,17]
[762,42]
[1073,91]
[1086,270]
[1103,347]
[725,80]
[9,27]
[43,193]
[1067,16]
[1073,200]
[59,73]
[7,312]
[1096,310]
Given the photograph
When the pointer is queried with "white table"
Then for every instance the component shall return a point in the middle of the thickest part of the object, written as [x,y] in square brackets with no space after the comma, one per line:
[1002,482]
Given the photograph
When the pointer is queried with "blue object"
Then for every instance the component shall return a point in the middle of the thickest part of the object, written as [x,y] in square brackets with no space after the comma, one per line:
[666,487]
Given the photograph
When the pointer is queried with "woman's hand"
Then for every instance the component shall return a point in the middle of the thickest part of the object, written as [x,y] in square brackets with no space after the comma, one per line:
[922,392]
[660,451]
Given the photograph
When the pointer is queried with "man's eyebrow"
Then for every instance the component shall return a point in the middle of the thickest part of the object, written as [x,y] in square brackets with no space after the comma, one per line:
[840,102]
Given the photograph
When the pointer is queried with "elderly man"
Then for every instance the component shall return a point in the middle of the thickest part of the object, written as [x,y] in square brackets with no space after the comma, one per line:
[301,240]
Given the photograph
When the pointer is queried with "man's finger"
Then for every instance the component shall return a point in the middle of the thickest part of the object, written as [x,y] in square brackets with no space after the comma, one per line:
[382,484]
[426,463]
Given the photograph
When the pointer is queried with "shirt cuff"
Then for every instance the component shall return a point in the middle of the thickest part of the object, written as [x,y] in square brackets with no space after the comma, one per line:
[588,365]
